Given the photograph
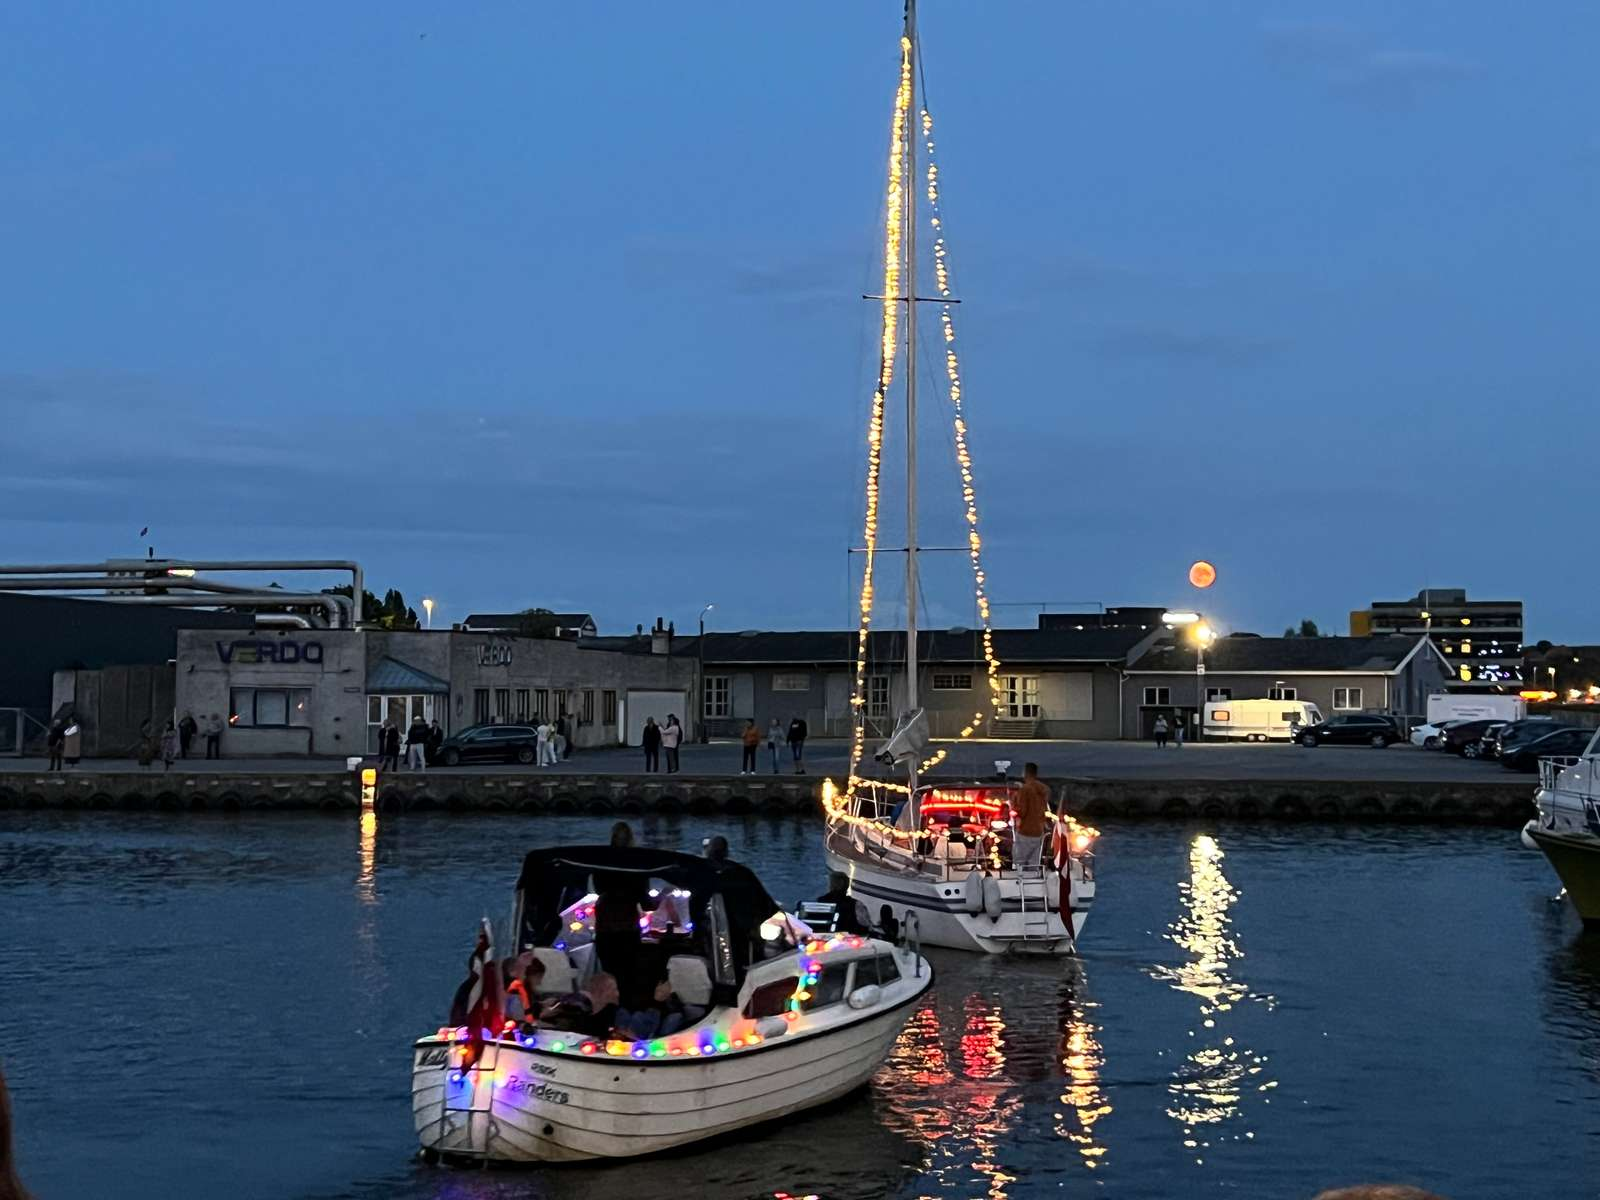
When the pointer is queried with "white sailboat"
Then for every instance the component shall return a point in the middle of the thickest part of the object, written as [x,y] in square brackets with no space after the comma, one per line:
[938,855]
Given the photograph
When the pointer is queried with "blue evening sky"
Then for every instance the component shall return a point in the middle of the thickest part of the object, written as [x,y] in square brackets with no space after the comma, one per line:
[558,304]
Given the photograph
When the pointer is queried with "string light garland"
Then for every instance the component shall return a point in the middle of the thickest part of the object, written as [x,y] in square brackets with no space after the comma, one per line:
[893,232]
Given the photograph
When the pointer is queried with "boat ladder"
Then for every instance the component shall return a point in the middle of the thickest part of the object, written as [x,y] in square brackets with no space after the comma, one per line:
[1035,905]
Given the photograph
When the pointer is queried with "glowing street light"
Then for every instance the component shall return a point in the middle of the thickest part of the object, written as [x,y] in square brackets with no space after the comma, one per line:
[427,607]
[1180,618]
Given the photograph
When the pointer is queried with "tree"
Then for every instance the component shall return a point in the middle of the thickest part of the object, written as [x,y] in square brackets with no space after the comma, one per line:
[391,612]
[537,623]
[1308,629]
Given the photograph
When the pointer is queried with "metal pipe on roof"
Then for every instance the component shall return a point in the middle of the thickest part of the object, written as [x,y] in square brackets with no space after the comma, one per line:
[357,579]
[285,600]
[343,608]
[286,620]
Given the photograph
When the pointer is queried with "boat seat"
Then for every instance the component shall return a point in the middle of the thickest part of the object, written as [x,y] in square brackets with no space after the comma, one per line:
[690,978]
[559,977]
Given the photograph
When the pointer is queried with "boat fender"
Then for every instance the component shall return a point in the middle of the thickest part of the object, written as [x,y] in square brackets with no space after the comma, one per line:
[1527,838]
[991,897]
[974,893]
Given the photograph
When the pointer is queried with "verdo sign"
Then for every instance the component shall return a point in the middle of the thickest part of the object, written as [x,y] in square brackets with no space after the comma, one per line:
[276,651]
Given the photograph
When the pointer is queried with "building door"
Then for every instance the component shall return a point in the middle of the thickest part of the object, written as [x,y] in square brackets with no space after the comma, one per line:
[402,710]
[1021,696]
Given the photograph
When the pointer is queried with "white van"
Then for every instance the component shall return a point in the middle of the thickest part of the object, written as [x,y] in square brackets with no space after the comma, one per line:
[1259,720]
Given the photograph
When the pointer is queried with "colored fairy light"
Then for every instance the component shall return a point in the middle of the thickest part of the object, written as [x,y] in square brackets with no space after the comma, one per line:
[640,1052]
[558,1046]
[587,1047]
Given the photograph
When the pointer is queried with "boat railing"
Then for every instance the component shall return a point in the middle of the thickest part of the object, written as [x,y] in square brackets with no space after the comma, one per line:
[1550,769]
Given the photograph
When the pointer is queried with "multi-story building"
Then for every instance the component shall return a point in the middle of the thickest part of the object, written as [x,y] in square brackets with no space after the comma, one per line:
[1480,639]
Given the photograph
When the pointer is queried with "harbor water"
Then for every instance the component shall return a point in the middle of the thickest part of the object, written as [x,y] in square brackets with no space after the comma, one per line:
[222,1006]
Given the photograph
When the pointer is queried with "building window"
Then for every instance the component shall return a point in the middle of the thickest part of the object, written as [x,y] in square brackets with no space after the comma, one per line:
[522,704]
[791,682]
[1154,697]
[269,708]
[1347,697]
[1219,693]
[608,708]
[1279,692]
[877,696]
[502,705]
[541,703]
[586,712]
[718,696]
[952,683]
[480,706]
[1022,695]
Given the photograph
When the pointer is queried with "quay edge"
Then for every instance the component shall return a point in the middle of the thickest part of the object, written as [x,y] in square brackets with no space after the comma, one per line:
[1506,804]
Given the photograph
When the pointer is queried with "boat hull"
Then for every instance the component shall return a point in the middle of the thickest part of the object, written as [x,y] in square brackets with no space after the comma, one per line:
[941,909]
[1576,859]
[527,1105]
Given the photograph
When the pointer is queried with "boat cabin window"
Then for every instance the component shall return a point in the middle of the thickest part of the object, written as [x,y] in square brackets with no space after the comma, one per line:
[829,989]
[881,970]
[964,814]
[770,999]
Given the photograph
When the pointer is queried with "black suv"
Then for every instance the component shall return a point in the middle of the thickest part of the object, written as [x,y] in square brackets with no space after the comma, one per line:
[491,743]
[1466,738]
[1352,729]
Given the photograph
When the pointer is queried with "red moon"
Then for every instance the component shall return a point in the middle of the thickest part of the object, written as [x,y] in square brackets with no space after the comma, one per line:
[1202,574]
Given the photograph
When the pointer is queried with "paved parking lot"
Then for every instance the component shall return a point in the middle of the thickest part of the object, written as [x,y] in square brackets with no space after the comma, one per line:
[1099,760]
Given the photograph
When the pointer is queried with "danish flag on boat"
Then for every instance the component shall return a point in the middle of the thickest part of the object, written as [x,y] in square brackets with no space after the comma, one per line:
[486,1006]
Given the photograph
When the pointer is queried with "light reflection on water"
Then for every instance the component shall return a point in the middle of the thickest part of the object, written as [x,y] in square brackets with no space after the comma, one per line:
[319,960]
[1209,1089]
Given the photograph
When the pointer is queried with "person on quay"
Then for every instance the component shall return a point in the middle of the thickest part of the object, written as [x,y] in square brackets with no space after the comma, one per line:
[54,741]
[435,740]
[671,739]
[1030,809]
[214,736]
[558,737]
[650,739]
[797,743]
[72,740]
[417,744]
[187,728]
[1159,729]
[1178,724]
[389,747]
[542,736]
[169,746]
[775,738]
[751,738]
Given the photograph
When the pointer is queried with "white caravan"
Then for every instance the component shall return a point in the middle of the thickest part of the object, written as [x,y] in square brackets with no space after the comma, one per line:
[1259,720]
[1442,706]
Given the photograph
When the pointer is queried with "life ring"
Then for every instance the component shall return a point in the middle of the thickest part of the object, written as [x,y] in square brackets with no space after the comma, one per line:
[991,897]
[974,895]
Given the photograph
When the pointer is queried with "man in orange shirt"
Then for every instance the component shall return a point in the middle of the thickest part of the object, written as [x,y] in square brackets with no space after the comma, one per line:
[1029,809]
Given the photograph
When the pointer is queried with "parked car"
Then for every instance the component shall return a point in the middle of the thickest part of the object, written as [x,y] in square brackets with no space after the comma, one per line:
[1465,738]
[490,743]
[1352,729]
[1525,756]
[1515,732]
[1430,736]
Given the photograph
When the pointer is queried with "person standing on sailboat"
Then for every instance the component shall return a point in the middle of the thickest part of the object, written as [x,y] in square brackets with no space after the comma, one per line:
[1029,812]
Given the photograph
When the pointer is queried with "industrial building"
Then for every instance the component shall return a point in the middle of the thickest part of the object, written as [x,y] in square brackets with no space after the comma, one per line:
[1481,640]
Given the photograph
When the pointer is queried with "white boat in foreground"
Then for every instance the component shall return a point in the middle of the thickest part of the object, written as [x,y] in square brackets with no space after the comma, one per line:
[1567,826]
[944,860]
[802,1026]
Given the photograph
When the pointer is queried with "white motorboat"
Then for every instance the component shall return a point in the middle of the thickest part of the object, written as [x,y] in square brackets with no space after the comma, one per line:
[938,855]
[943,855]
[796,1027]
[1567,826]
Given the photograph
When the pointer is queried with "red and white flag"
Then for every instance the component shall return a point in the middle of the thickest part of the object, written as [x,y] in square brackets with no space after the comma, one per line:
[486,1003]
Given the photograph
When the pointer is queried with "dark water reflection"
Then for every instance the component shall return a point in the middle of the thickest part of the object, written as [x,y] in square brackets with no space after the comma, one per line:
[209,1007]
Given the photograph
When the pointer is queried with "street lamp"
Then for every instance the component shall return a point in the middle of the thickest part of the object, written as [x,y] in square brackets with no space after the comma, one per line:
[1203,636]
[427,607]
[700,676]
[1191,620]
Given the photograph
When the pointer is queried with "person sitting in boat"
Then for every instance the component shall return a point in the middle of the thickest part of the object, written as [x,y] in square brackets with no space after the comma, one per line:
[526,978]
[590,1010]
[850,915]
[520,977]
[665,1015]
[888,926]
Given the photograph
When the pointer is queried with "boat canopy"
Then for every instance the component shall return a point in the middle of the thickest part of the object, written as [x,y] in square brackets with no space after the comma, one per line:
[552,879]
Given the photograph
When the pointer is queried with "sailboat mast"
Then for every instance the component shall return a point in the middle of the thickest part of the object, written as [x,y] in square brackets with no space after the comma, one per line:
[910,190]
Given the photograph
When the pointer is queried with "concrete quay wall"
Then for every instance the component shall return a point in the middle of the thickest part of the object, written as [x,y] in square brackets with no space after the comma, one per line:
[1505,803]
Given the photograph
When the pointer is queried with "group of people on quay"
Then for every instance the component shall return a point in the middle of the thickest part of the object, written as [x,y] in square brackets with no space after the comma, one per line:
[777,737]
